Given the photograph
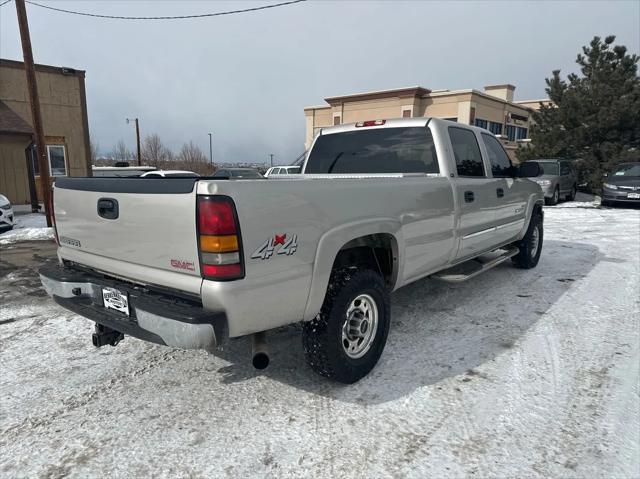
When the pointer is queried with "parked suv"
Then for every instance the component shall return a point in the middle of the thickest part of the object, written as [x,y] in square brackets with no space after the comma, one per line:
[558,180]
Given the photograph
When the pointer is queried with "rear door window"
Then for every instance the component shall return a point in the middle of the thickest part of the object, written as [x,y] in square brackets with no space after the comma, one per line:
[383,150]
[466,152]
[564,168]
[500,162]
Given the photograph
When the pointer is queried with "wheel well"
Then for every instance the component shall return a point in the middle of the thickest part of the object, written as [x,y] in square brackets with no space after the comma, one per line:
[377,252]
[537,209]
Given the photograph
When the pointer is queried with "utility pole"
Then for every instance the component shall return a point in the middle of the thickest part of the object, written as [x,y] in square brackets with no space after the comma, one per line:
[137,138]
[210,149]
[36,117]
[271,156]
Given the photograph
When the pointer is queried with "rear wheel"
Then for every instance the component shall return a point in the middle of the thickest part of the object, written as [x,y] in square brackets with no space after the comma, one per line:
[345,341]
[572,195]
[530,247]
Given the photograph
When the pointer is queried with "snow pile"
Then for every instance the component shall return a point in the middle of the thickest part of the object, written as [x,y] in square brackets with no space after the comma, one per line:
[28,228]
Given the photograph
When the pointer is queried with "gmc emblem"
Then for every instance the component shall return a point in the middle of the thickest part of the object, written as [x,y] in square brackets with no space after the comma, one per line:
[179,264]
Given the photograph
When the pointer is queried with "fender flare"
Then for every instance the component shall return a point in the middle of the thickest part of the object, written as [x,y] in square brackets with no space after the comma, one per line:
[330,245]
[534,201]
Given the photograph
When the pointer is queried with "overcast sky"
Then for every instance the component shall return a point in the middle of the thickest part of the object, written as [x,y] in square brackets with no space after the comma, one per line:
[247,77]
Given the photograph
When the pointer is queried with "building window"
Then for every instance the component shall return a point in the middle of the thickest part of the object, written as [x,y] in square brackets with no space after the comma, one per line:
[481,123]
[511,132]
[495,128]
[521,133]
[406,113]
[336,120]
[57,161]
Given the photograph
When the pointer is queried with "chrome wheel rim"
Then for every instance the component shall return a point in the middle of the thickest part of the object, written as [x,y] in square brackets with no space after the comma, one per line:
[535,241]
[360,326]
[556,196]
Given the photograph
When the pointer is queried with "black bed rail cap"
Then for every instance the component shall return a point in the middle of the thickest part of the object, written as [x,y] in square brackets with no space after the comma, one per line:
[169,186]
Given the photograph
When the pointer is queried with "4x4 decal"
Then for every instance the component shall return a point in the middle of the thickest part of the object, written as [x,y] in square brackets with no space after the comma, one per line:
[282,243]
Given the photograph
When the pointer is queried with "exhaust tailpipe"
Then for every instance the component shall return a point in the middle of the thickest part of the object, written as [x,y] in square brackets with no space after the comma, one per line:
[259,350]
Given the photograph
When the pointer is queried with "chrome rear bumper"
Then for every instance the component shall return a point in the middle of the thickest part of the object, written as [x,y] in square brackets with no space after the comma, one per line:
[154,316]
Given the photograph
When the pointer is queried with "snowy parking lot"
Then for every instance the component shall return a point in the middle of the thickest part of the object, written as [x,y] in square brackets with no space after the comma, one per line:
[516,373]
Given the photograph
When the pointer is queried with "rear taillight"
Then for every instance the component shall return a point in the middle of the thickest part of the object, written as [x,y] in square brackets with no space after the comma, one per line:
[370,123]
[219,239]
[53,217]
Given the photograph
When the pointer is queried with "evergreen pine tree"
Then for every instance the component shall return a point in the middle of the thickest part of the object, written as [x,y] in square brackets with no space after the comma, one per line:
[595,116]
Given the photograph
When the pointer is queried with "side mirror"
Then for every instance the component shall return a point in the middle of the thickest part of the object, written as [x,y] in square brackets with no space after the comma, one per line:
[529,169]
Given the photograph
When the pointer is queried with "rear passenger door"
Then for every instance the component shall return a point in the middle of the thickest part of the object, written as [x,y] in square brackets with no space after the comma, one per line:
[511,197]
[475,192]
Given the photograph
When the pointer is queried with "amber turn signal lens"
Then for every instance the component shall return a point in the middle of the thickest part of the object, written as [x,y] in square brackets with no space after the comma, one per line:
[218,244]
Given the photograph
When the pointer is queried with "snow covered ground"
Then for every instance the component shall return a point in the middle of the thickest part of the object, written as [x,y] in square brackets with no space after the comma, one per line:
[513,374]
[27,228]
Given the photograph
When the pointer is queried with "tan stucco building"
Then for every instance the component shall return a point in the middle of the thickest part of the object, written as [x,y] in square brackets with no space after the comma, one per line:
[493,109]
[64,116]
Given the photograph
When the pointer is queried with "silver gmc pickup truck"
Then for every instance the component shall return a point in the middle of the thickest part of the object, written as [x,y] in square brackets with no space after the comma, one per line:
[190,262]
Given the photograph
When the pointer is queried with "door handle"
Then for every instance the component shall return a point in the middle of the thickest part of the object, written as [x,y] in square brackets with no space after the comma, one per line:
[500,192]
[468,196]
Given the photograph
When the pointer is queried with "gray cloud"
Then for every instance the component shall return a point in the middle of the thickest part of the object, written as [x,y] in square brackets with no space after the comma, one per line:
[247,77]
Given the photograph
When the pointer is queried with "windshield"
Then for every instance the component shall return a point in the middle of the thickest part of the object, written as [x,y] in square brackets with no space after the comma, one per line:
[549,168]
[629,169]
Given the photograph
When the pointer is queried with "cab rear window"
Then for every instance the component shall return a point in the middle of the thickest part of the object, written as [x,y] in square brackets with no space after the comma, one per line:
[384,150]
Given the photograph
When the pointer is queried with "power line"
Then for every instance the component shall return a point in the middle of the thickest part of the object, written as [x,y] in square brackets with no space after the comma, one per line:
[4,3]
[179,17]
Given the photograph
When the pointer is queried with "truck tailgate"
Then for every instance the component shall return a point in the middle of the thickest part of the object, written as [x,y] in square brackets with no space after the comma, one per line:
[130,227]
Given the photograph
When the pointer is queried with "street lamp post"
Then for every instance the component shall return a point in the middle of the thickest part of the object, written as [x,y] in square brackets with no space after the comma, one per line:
[210,149]
[129,120]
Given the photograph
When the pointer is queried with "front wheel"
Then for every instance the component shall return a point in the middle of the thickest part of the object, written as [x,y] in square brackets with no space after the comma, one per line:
[554,199]
[530,247]
[345,341]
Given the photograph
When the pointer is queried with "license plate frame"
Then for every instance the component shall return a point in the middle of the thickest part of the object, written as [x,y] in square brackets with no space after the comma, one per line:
[633,196]
[115,299]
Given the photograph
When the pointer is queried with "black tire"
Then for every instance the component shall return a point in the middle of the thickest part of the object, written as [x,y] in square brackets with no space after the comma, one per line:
[572,195]
[322,337]
[554,199]
[527,258]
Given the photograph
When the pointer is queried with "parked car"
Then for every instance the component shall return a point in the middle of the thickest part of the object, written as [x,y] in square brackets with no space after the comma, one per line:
[622,185]
[237,173]
[558,180]
[170,174]
[7,218]
[283,170]
[120,171]
[380,204]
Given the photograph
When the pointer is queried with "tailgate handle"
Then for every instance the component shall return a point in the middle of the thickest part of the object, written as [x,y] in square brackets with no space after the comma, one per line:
[108,208]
